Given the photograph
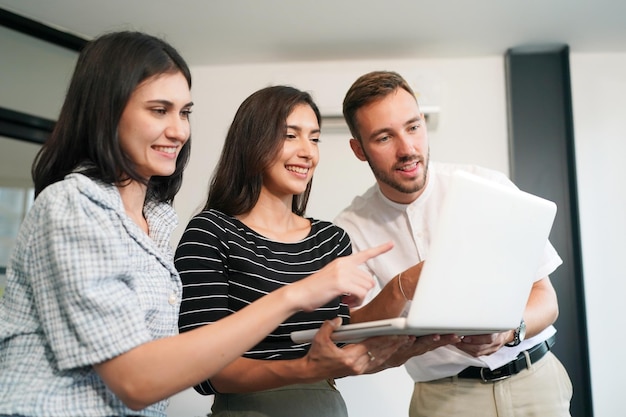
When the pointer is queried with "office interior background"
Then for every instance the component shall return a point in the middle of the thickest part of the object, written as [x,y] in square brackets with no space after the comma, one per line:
[456,56]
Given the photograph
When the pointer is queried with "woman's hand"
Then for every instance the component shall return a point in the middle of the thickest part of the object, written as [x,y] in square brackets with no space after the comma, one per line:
[341,277]
[325,359]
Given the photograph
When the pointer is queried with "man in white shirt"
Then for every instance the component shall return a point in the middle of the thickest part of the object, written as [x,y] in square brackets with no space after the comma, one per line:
[505,374]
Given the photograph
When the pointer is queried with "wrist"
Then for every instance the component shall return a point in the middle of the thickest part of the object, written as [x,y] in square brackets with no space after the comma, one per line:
[401,288]
[303,296]
[519,334]
[309,370]
[510,338]
[290,297]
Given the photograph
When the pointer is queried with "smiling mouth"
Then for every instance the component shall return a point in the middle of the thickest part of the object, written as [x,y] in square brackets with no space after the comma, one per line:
[165,149]
[298,170]
[408,167]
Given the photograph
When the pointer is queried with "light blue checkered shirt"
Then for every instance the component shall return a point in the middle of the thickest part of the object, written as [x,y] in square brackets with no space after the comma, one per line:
[84,285]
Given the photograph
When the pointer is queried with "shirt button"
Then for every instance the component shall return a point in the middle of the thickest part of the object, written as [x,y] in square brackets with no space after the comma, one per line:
[172,299]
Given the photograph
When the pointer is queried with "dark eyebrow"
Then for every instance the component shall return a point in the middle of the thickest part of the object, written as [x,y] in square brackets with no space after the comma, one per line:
[168,103]
[299,129]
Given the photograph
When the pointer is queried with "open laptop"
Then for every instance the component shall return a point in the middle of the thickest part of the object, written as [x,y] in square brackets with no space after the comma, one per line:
[484,254]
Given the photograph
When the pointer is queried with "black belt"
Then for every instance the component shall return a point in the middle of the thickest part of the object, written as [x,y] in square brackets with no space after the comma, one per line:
[514,367]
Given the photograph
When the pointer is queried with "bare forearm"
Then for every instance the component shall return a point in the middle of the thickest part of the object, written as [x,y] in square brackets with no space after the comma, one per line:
[324,360]
[392,298]
[158,369]
[542,308]
[161,368]
[249,375]
[387,304]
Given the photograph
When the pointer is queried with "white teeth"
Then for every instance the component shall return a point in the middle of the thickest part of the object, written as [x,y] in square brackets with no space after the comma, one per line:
[408,167]
[165,149]
[299,170]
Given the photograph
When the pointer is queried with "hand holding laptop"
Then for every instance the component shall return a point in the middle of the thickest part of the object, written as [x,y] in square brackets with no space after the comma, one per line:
[418,346]
[368,356]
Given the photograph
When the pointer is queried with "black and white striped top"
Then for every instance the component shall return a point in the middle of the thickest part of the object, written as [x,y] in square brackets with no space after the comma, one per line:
[224,266]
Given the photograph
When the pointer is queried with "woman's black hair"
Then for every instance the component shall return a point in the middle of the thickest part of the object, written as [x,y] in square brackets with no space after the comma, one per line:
[85,136]
[252,144]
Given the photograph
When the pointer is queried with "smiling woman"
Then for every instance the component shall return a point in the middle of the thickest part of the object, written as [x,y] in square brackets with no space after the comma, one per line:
[253,238]
[93,204]
[152,130]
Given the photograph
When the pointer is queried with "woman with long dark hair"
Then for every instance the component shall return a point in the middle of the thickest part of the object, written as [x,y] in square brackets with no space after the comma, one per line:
[253,239]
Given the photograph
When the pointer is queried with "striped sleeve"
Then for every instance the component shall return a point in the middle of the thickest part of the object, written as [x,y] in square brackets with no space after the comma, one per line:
[201,263]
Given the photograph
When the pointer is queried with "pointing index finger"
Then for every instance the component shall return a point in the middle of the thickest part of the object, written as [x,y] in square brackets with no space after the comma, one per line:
[365,255]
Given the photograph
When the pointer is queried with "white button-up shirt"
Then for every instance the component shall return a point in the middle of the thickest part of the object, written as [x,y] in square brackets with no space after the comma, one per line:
[372,219]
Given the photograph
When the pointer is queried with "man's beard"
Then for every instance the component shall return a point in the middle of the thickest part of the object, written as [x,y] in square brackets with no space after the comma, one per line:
[417,185]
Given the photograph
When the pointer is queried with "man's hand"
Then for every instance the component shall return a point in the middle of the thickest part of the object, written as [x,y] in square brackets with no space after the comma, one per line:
[417,346]
[484,344]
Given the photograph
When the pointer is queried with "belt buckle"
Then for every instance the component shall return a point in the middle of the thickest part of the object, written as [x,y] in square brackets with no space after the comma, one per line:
[494,378]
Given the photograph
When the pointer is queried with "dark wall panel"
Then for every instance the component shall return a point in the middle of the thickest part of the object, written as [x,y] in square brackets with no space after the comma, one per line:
[19,125]
[541,137]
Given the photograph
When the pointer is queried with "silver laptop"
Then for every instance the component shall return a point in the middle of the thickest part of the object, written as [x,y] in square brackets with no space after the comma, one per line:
[484,254]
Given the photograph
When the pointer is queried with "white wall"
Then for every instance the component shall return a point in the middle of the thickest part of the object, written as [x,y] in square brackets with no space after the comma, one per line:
[472,124]
[599,94]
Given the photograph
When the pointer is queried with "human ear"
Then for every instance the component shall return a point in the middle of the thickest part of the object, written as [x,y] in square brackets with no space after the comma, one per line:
[357,149]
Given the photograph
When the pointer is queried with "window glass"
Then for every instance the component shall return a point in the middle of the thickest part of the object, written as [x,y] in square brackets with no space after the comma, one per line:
[14,203]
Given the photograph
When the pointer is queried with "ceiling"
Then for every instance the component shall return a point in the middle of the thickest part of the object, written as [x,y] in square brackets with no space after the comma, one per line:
[215,32]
